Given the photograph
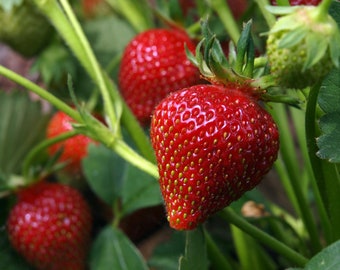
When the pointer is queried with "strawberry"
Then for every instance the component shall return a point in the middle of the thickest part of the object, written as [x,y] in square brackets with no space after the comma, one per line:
[74,149]
[24,28]
[300,2]
[212,143]
[154,63]
[295,60]
[50,226]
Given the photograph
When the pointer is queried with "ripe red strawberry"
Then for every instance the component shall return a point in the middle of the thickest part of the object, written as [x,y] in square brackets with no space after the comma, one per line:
[212,143]
[301,2]
[74,149]
[50,226]
[154,64]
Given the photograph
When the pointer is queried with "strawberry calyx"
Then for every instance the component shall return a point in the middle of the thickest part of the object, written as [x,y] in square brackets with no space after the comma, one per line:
[237,70]
[215,67]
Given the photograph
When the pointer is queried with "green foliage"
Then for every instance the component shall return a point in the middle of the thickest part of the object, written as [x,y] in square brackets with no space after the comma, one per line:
[195,256]
[329,101]
[327,259]
[9,259]
[112,178]
[22,126]
[165,255]
[113,250]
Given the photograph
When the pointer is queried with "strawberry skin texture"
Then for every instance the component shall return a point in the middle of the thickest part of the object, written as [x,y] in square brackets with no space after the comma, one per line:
[154,64]
[74,149]
[212,144]
[50,226]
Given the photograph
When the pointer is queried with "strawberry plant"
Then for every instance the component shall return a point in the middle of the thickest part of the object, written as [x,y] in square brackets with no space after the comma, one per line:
[203,157]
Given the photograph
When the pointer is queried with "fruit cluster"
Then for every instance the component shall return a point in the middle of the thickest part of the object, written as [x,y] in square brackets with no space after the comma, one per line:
[203,108]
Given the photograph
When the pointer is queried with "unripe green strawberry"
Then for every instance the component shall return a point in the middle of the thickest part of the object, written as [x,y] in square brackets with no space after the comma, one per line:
[303,46]
[24,28]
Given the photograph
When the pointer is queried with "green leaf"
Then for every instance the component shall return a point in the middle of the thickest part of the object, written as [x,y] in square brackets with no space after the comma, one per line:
[22,126]
[327,259]
[104,171]
[108,37]
[316,49]
[165,255]
[195,256]
[113,250]
[329,142]
[139,190]
[329,101]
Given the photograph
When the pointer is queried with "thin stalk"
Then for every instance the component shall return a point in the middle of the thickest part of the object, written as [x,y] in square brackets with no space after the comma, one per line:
[42,146]
[291,163]
[95,72]
[126,152]
[298,116]
[41,92]
[326,175]
[270,18]
[218,260]
[222,9]
[229,215]
[250,254]
[135,12]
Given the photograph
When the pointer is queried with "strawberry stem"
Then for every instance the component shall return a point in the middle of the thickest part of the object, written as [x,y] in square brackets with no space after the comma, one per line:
[270,18]
[218,260]
[298,117]
[136,12]
[229,215]
[326,174]
[44,94]
[290,161]
[38,149]
[222,9]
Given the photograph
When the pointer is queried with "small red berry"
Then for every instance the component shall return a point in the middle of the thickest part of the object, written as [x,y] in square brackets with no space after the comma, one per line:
[154,64]
[74,149]
[50,226]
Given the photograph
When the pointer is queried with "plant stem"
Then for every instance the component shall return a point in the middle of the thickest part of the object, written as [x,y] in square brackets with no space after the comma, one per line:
[250,254]
[122,149]
[270,18]
[218,260]
[95,70]
[58,103]
[326,175]
[289,157]
[135,12]
[298,118]
[222,9]
[42,146]
[229,215]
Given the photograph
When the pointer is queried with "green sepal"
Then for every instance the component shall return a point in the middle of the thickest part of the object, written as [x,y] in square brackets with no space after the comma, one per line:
[281,10]
[316,49]
[245,52]
[292,38]
[307,24]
